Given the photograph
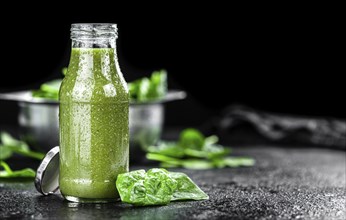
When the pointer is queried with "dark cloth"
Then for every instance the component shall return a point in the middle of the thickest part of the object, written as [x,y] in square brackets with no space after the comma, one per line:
[279,128]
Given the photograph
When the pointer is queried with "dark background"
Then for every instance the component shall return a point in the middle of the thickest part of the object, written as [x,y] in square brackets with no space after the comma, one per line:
[274,60]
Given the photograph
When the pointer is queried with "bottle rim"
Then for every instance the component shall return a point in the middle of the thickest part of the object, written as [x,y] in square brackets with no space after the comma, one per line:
[94,30]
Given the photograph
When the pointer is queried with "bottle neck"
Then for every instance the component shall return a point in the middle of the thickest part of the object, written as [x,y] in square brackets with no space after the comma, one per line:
[93,54]
[93,35]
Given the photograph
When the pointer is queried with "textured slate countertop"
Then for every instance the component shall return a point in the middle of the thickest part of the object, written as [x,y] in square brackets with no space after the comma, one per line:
[286,183]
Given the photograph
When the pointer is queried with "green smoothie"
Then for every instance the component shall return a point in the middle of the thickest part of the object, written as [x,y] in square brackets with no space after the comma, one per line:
[94,126]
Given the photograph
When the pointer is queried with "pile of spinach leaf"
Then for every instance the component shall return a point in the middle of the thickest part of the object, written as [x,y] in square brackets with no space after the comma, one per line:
[157,187]
[149,89]
[10,146]
[195,151]
[146,89]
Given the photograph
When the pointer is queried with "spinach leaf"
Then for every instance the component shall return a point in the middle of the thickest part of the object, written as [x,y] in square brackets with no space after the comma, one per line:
[164,158]
[160,186]
[64,71]
[191,138]
[10,145]
[238,161]
[186,188]
[156,187]
[51,86]
[143,89]
[133,89]
[131,186]
[5,152]
[197,164]
[9,173]
[49,90]
[8,140]
[168,149]
[211,140]
[208,152]
[27,153]
[167,162]
[158,85]
[216,151]
[139,89]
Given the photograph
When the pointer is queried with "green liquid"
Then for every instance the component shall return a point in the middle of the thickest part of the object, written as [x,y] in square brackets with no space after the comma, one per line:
[94,125]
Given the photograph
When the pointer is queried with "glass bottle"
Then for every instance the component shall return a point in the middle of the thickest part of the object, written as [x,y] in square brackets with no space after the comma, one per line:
[94,117]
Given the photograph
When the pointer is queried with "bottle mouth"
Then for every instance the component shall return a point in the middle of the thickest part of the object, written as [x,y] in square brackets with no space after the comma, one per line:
[94,30]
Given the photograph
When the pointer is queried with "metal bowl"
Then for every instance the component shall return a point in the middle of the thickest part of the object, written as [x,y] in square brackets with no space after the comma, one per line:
[39,122]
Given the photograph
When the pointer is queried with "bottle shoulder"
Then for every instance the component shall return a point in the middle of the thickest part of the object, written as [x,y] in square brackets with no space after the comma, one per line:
[91,90]
[93,74]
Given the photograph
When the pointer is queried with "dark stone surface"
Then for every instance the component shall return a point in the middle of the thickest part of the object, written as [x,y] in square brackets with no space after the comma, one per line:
[286,183]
